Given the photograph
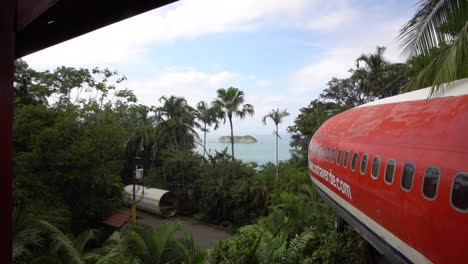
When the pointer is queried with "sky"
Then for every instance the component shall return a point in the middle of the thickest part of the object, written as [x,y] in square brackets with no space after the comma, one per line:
[280,53]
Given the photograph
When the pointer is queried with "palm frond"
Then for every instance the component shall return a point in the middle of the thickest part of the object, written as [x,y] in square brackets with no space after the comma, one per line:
[62,243]
[448,66]
[26,232]
[276,116]
[83,239]
[152,245]
[422,32]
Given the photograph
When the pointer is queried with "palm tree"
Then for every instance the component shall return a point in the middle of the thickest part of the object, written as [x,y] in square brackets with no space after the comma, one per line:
[66,247]
[142,142]
[114,250]
[277,116]
[230,102]
[176,118]
[26,232]
[374,61]
[159,245]
[208,116]
[437,23]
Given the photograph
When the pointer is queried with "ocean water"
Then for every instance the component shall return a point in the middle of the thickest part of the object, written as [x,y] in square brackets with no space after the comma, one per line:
[262,152]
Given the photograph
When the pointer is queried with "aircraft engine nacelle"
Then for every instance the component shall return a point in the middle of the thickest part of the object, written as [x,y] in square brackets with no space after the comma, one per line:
[152,200]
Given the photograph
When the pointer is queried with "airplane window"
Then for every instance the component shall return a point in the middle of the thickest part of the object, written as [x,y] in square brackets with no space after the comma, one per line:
[407,176]
[338,159]
[328,153]
[345,160]
[431,181]
[364,164]
[354,161]
[333,155]
[459,196]
[375,167]
[390,171]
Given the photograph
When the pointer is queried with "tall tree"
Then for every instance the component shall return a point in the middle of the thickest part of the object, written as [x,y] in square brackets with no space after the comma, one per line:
[230,102]
[435,24]
[378,78]
[208,115]
[308,121]
[372,67]
[276,116]
[27,86]
[177,119]
[374,78]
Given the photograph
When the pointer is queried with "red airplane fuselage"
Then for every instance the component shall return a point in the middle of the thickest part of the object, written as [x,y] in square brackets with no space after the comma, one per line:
[404,183]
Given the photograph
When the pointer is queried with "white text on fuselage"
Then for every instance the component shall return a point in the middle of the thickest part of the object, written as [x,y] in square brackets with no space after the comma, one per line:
[334,181]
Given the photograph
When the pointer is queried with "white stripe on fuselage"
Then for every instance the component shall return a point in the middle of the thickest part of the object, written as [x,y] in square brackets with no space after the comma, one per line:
[456,88]
[411,253]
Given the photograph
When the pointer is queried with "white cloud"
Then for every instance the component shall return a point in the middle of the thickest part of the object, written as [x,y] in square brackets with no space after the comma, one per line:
[195,86]
[313,77]
[356,39]
[344,32]
[264,83]
[191,84]
[128,41]
[332,20]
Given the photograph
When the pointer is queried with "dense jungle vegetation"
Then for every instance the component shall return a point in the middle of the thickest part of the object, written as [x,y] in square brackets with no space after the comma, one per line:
[77,133]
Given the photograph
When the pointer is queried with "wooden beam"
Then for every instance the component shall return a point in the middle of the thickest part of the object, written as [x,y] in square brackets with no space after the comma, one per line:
[7,59]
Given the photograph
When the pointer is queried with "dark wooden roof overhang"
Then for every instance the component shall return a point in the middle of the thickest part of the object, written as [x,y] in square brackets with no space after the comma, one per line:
[44,23]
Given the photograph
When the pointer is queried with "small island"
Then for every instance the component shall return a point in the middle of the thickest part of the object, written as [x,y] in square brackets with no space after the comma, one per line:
[237,139]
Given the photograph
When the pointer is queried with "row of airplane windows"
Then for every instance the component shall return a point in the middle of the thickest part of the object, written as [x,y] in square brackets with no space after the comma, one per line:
[459,192]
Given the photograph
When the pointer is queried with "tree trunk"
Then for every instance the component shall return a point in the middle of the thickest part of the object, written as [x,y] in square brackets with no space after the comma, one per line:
[232,139]
[204,142]
[277,151]
[175,139]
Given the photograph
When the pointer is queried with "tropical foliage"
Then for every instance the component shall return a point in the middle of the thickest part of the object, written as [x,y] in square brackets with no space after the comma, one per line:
[440,25]
[230,103]
[209,116]
[276,116]
[159,246]
[374,78]
[177,122]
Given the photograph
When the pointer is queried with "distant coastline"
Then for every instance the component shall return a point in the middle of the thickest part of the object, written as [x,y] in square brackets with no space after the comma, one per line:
[237,139]
[261,152]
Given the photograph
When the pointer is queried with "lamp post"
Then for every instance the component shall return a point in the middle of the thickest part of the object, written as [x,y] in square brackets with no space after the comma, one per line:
[138,178]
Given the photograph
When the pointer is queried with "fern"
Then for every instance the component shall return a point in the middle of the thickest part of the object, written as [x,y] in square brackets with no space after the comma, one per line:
[297,245]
